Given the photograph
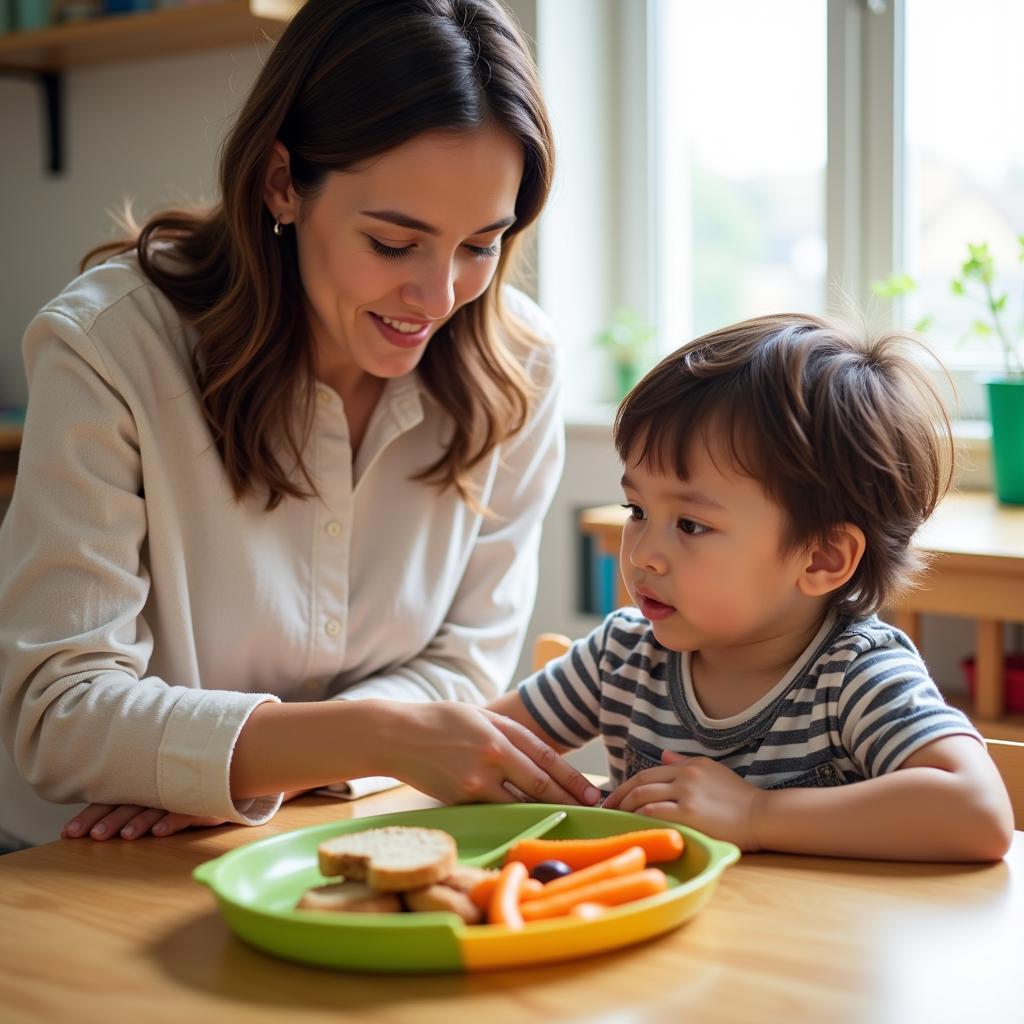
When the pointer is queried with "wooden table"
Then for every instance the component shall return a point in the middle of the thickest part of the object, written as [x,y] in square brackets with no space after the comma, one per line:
[118,931]
[977,572]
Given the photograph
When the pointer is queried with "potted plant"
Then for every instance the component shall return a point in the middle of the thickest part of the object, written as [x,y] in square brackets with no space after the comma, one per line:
[977,281]
[628,338]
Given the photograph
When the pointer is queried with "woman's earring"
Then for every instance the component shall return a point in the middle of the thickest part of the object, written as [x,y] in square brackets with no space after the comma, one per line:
[277,227]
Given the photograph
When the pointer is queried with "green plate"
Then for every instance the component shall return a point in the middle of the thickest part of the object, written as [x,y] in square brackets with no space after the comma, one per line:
[258,885]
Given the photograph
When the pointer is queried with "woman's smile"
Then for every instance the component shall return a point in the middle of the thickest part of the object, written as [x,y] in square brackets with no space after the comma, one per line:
[402,333]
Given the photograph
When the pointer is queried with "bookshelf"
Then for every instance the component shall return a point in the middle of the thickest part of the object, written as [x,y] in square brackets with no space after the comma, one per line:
[47,54]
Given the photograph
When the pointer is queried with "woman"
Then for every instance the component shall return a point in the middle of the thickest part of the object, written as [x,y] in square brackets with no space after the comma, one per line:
[285,462]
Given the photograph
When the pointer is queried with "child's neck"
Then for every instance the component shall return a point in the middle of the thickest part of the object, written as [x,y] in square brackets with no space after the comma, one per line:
[728,680]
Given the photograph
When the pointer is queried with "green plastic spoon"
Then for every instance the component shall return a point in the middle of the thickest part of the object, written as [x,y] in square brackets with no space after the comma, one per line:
[485,860]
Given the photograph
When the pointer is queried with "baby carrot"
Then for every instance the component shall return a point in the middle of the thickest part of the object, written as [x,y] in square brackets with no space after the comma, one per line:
[659,844]
[482,892]
[610,893]
[625,863]
[588,911]
[504,908]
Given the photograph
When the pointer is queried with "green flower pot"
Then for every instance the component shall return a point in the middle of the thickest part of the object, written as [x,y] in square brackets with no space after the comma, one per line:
[627,376]
[1006,409]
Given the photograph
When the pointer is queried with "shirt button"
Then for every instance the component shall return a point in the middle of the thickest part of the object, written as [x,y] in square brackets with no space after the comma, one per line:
[333,528]
[332,627]
[322,396]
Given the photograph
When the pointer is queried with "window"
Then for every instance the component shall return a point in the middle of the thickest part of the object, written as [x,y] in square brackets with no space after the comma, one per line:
[964,178]
[739,151]
[723,159]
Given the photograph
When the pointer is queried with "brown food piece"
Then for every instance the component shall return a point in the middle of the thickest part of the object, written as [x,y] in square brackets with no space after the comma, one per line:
[351,897]
[443,897]
[391,859]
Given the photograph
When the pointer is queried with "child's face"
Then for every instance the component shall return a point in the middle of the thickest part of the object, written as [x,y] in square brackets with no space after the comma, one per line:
[702,557]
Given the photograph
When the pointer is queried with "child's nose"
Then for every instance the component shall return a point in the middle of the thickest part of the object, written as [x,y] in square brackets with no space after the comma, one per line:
[646,553]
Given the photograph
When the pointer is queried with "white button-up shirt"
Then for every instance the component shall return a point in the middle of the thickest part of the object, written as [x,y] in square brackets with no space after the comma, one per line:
[144,612]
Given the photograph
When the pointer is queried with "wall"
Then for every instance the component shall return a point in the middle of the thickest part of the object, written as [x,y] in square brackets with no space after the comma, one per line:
[147,130]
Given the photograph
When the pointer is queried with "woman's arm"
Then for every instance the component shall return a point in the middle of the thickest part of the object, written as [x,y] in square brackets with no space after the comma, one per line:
[81,714]
[457,753]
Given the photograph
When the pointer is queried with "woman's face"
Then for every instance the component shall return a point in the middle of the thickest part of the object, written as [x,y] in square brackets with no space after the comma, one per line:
[388,252]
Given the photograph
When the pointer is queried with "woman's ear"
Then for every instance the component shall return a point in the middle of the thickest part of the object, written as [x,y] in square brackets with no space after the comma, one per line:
[278,194]
[832,562]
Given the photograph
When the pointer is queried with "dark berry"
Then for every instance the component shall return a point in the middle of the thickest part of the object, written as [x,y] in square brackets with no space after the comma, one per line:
[548,870]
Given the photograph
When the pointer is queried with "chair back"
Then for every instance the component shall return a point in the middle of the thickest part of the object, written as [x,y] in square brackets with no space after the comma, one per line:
[548,647]
[1009,759]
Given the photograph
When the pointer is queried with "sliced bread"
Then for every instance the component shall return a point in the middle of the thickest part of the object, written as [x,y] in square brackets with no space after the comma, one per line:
[442,897]
[390,859]
[352,897]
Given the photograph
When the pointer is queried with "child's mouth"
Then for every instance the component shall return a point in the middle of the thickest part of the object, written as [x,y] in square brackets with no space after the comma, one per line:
[652,609]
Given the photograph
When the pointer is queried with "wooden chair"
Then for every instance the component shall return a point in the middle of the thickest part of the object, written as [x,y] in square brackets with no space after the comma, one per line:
[548,647]
[1009,759]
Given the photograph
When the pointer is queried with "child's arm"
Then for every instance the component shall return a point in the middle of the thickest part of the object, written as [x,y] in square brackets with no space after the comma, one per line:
[511,706]
[946,802]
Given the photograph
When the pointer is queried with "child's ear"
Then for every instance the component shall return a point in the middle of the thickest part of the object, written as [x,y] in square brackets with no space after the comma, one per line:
[831,563]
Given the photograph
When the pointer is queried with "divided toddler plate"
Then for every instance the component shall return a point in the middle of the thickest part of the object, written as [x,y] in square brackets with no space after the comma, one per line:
[258,885]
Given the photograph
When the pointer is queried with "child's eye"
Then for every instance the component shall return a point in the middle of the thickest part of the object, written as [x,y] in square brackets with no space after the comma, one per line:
[635,511]
[692,528]
[388,252]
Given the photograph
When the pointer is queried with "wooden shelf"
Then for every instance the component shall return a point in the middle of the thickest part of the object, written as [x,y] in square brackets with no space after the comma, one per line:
[144,35]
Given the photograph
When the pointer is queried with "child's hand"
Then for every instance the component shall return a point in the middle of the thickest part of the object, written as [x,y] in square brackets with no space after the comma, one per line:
[694,791]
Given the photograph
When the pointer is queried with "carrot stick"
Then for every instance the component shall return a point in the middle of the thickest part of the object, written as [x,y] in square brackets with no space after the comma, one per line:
[610,892]
[482,892]
[588,911]
[659,844]
[504,908]
[625,863]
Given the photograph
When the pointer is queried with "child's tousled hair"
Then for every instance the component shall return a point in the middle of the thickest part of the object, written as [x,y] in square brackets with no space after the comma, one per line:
[837,428]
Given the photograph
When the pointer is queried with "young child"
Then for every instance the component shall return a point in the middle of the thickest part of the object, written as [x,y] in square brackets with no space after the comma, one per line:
[775,473]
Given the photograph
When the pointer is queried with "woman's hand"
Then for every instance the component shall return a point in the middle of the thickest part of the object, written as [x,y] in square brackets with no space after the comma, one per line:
[460,753]
[694,791]
[104,821]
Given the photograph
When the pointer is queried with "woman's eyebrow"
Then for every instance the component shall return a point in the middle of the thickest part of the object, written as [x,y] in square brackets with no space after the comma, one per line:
[403,220]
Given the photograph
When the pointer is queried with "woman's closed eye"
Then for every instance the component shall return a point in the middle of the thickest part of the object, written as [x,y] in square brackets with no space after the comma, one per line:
[484,252]
[388,252]
[396,252]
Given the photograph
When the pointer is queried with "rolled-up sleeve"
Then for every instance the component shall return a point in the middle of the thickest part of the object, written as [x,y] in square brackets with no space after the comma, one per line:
[79,715]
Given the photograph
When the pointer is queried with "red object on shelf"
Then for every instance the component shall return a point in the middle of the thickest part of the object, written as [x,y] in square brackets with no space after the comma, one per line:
[1013,681]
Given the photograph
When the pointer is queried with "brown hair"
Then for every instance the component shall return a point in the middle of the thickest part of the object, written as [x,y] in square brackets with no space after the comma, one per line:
[837,428]
[348,80]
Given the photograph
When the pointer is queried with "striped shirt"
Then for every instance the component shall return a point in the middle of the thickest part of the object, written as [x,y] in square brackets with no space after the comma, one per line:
[854,705]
